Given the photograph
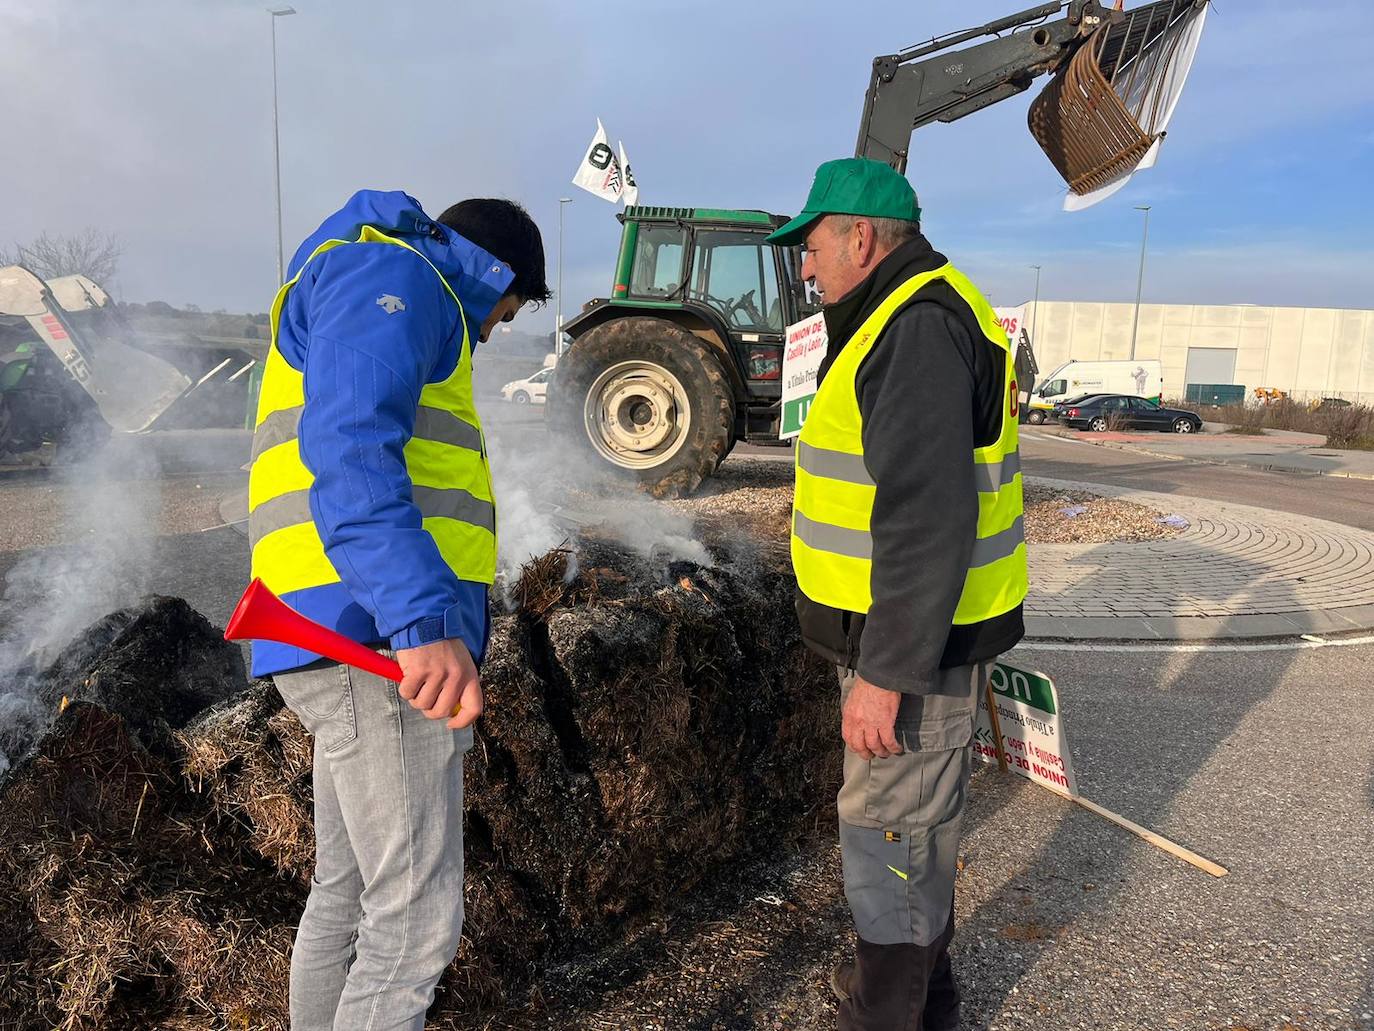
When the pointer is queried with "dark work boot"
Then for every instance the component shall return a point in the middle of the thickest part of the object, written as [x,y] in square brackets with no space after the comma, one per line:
[942,997]
[898,987]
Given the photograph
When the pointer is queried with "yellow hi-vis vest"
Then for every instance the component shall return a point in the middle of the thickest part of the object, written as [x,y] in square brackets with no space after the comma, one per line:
[445,458]
[832,547]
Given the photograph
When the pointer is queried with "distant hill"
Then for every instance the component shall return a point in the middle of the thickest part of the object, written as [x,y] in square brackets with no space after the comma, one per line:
[159,320]
[507,342]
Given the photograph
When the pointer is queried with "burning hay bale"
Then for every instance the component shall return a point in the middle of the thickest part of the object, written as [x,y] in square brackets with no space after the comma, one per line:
[157,666]
[649,727]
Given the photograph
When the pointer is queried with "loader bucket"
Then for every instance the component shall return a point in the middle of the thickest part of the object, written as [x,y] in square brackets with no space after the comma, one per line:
[73,317]
[1103,114]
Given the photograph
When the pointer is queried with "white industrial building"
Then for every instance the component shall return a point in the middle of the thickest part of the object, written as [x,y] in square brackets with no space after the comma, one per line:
[1307,352]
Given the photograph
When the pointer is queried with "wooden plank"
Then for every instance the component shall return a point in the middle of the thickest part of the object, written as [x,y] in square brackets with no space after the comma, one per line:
[996,727]
[1157,840]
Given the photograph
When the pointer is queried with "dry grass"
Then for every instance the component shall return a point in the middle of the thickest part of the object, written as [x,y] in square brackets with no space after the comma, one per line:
[1349,427]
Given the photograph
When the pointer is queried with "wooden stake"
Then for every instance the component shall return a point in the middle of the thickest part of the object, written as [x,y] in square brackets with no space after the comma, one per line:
[1157,840]
[996,727]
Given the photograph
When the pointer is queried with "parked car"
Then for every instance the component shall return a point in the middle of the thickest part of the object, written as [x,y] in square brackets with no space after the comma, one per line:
[531,390]
[1060,406]
[1131,413]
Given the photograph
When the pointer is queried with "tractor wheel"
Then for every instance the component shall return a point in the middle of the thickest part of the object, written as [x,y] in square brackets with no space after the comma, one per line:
[648,398]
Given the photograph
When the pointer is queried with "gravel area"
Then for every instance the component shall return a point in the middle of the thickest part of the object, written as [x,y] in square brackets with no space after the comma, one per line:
[1079,517]
[756,494]
[746,493]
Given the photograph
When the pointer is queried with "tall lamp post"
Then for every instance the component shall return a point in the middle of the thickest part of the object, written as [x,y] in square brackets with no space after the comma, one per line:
[277,12]
[558,318]
[1035,310]
[1140,279]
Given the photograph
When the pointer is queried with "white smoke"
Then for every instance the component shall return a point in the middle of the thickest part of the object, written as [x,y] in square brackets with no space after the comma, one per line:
[549,489]
[101,561]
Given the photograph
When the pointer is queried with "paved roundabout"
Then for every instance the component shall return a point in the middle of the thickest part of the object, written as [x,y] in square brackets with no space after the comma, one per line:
[1235,571]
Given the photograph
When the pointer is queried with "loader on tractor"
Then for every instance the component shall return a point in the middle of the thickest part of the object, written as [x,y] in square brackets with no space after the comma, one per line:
[684,359]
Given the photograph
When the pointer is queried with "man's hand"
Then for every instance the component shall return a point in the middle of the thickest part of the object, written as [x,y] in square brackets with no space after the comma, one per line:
[870,713]
[439,678]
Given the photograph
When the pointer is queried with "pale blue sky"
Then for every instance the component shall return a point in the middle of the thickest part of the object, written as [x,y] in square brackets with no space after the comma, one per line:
[152,119]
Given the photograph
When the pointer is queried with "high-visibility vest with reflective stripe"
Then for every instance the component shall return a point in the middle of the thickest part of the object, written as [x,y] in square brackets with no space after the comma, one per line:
[445,458]
[832,547]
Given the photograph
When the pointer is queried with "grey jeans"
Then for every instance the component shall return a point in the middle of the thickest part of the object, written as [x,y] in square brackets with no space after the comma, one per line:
[901,817]
[385,911]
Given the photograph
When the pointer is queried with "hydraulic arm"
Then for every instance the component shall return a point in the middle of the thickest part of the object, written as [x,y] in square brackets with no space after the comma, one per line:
[934,82]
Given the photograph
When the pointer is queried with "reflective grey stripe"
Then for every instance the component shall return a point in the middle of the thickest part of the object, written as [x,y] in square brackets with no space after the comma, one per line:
[433,502]
[430,424]
[987,550]
[455,503]
[277,428]
[447,428]
[833,465]
[277,514]
[991,476]
[835,539]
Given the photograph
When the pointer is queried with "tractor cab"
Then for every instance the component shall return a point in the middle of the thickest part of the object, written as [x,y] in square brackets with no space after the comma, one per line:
[713,258]
[710,270]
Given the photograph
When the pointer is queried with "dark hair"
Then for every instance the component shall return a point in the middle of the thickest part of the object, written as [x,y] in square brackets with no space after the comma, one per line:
[505,230]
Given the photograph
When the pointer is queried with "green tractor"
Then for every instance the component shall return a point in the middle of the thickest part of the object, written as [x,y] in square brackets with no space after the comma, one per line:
[684,359]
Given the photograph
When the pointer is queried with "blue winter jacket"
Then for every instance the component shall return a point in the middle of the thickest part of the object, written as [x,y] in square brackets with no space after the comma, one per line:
[396,590]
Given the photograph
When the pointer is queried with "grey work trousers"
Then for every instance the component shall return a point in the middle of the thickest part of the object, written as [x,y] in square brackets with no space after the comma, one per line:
[385,910]
[900,824]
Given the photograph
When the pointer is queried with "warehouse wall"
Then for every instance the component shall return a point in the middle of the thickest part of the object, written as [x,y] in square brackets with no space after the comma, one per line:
[1309,352]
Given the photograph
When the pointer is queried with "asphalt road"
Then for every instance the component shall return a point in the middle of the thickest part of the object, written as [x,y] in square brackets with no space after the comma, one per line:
[1322,497]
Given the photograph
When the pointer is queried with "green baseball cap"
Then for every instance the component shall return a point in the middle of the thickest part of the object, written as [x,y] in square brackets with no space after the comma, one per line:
[852,186]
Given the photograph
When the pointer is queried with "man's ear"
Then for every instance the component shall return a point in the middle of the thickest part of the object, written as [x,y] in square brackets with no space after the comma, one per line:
[866,243]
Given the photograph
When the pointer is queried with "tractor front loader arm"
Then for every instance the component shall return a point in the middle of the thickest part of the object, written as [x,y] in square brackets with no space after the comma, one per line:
[933,82]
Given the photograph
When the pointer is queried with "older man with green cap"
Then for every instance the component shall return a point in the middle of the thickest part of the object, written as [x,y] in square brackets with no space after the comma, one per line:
[911,567]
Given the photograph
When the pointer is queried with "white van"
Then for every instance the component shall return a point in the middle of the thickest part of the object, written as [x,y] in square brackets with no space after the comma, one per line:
[1143,378]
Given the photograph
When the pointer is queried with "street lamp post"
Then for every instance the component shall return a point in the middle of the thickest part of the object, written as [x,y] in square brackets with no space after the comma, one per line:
[277,12]
[1035,310]
[1140,279]
[558,318]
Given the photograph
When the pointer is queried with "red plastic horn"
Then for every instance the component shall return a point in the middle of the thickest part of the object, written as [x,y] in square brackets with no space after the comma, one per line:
[262,615]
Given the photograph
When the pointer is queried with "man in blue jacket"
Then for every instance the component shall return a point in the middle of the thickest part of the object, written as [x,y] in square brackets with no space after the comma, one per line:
[371,511]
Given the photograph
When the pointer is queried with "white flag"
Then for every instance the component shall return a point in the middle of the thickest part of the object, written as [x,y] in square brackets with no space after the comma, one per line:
[630,195]
[599,172]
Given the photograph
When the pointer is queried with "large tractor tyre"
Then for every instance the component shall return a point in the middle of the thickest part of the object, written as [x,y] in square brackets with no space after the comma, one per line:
[647,398]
